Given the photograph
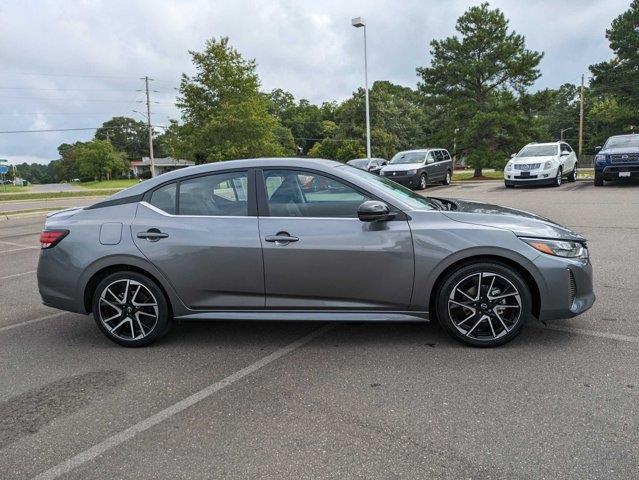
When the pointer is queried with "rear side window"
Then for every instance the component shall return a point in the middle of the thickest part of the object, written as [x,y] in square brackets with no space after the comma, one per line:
[164,198]
[446,154]
[223,194]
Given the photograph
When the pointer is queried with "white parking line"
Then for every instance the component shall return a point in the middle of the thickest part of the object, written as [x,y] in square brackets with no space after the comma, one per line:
[121,437]
[592,333]
[14,244]
[18,275]
[29,322]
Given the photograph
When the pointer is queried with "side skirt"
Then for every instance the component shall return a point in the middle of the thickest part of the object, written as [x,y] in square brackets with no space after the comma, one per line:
[309,316]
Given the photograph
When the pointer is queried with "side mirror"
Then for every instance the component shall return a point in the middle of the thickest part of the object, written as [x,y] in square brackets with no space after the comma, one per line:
[512,155]
[373,211]
[597,149]
[565,153]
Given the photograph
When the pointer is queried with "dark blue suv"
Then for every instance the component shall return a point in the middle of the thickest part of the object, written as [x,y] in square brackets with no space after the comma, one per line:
[619,158]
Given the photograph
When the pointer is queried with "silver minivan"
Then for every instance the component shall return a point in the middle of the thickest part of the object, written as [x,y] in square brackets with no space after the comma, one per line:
[418,168]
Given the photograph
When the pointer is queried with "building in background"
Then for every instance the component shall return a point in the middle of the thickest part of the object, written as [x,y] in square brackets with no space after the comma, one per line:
[142,168]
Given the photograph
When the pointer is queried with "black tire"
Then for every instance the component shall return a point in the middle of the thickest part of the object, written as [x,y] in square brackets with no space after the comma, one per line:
[448,291]
[573,175]
[599,181]
[558,178]
[508,185]
[423,181]
[447,178]
[139,328]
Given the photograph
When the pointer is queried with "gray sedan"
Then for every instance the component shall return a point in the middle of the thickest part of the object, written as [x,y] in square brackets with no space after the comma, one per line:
[296,239]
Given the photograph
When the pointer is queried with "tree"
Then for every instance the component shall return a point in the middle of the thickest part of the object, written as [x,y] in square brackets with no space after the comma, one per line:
[224,116]
[98,159]
[66,168]
[464,85]
[126,135]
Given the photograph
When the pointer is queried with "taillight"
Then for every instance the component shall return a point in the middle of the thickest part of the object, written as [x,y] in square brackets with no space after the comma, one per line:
[50,238]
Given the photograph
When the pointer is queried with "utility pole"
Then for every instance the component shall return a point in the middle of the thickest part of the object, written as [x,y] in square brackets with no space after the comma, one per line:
[148,117]
[581,119]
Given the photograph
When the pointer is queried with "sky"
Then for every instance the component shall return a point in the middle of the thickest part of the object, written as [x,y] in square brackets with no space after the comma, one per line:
[78,63]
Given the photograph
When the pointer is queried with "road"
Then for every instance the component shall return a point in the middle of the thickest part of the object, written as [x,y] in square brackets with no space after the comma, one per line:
[56,187]
[55,203]
[264,400]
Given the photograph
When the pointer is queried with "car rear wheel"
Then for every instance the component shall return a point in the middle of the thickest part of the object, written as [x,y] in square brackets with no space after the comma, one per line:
[423,181]
[447,178]
[573,175]
[130,309]
[599,181]
[483,304]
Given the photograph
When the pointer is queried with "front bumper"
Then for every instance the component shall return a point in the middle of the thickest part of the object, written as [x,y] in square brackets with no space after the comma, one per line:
[411,181]
[568,287]
[533,177]
[615,172]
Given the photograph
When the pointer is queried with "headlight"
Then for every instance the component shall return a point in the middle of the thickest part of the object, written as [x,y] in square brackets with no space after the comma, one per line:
[600,158]
[548,165]
[558,248]
[411,172]
[509,167]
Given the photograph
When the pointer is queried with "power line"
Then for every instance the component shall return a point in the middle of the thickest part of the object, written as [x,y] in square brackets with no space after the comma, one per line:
[66,129]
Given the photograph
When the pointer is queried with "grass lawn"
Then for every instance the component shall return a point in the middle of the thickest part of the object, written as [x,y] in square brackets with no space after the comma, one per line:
[468,175]
[124,183]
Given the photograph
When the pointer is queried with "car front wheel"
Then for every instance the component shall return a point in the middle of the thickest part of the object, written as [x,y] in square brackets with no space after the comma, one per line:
[130,309]
[599,181]
[483,304]
[423,181]
[558,178]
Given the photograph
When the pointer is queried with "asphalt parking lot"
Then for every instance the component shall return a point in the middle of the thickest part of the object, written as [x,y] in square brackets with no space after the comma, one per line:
[293,400]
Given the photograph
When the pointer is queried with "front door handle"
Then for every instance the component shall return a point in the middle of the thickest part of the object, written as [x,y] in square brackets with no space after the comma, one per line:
[152,234]
[281,238]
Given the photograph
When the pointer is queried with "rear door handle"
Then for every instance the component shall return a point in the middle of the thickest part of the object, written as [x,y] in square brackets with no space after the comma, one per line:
[281,238]
[152,234]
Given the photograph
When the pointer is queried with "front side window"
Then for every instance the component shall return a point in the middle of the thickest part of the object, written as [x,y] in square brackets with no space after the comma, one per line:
[222,194]
[294,193]
[164,198]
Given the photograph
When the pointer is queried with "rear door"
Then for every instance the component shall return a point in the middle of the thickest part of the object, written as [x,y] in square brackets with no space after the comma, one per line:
[202,234]
[319,255]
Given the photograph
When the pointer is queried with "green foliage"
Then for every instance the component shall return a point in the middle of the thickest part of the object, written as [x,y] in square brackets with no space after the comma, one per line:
[126,135]
[472,81]
[98,159]
[36,173]
[224,116]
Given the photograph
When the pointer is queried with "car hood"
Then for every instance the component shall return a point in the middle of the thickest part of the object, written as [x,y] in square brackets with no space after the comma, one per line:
[611,151]
[402,167]
[520,160]
[524,224]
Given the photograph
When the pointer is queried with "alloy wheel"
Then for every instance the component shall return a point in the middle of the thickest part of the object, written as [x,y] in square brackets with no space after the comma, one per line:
[484,306]
[128,309]
[422,182]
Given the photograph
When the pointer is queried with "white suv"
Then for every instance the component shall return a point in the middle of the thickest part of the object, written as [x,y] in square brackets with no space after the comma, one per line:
[541,163]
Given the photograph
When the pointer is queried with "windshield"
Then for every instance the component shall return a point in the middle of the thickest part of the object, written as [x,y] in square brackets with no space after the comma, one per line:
[396,190]
[358,163]
[622,141]
[408,157]
[538,151]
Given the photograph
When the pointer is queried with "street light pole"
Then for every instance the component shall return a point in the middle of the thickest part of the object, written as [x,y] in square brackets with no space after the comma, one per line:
[357,23]
[561,133]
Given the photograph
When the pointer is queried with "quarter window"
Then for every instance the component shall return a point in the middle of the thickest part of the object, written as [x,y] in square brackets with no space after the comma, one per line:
[164,198]
[222,194]
[293,193]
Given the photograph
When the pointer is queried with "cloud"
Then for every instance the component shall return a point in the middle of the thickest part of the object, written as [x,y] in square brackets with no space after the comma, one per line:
[77,64]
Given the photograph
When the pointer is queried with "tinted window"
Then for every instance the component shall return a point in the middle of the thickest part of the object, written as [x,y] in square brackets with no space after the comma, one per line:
[223,194]
[294,193]
[565,147]
[446,154]
[439,155]
[164,198]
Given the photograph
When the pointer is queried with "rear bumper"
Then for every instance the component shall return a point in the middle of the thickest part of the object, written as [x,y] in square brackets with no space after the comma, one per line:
[568,285]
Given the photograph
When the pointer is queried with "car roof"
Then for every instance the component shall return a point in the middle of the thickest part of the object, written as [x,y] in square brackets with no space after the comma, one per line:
[546,143]
[142,187]
[625,135]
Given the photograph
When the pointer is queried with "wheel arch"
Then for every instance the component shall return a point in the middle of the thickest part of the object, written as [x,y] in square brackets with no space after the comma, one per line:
[529,278]
[101,270]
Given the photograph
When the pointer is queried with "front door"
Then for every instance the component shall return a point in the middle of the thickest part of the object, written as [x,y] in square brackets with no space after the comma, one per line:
[206,244]
[318,254]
